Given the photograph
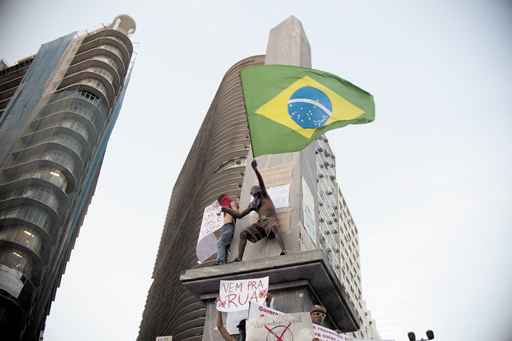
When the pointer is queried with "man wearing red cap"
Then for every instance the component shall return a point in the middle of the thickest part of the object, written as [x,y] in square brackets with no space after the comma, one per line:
[226,231]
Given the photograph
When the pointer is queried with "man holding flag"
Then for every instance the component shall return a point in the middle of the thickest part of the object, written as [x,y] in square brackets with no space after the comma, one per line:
[267,225]
[288,107]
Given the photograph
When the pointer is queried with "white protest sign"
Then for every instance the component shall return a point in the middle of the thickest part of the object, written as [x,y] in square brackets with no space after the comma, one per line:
[213,219]
[257,310]
[236,295]
[233,318]
[321,333]
[326,334]
[280,195]
[284,327]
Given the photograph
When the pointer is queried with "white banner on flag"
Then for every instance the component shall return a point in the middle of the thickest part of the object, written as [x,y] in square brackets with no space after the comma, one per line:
[236,295]
[284,327]
[213,219]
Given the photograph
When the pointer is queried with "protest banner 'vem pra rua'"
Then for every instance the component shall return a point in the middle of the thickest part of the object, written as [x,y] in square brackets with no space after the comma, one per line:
[236,295]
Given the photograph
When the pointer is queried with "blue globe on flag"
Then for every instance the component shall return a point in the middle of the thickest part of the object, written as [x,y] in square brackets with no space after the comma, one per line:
[309,107]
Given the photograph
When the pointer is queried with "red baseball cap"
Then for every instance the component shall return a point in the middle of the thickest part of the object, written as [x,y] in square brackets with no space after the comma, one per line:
[225,201]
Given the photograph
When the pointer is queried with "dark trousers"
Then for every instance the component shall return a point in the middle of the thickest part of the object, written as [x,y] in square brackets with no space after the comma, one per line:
[226,236]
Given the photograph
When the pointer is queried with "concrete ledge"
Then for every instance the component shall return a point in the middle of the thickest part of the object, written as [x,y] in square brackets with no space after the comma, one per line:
[307,268]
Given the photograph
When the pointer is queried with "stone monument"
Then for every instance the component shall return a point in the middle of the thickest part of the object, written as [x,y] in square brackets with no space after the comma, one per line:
[303,277]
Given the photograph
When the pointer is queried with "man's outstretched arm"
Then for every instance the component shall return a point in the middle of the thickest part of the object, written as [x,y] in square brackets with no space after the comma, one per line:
[254,165]
[236,214]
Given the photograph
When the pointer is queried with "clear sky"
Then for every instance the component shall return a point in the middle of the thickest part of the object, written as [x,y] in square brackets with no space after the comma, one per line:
[428,183]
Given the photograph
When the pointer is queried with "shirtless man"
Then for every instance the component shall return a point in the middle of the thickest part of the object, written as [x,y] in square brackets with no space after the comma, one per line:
[267,225]
[226,231]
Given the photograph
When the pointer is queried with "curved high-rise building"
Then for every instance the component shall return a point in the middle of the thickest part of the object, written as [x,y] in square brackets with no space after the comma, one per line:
[215,165]
[57,110]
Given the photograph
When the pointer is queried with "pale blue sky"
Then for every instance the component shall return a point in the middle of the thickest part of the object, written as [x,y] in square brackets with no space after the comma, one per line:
[428,183]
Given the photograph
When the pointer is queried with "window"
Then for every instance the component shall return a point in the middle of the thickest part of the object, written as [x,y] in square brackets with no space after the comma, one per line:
[233,163]
[89,96]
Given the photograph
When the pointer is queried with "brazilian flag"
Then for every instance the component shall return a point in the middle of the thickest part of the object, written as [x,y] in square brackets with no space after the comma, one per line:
[289,106]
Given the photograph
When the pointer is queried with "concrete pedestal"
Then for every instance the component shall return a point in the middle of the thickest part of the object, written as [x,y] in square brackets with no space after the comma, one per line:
[297,281]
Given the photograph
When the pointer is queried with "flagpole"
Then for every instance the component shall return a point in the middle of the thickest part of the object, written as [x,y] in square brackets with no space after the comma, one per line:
[246,115]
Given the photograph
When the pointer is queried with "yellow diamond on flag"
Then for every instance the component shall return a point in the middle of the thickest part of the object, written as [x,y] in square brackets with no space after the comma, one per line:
[337,108]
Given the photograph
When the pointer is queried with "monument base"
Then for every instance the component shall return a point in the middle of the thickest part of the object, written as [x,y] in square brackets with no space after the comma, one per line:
[296,281]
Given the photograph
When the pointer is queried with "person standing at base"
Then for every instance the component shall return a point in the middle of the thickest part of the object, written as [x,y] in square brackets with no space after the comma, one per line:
[227,230]
[267,225]
[318,314]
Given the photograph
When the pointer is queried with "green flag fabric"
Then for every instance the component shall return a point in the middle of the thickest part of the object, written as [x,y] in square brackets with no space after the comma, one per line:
[289,106]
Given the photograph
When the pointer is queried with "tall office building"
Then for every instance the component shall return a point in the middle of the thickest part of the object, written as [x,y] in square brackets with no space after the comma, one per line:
[57,111]
[339,237]
[181,298]
[350,269]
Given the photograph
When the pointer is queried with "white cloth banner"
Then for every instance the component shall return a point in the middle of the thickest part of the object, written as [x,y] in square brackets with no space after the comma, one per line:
[213,219]
[280,195]
[284,327]
[236,295]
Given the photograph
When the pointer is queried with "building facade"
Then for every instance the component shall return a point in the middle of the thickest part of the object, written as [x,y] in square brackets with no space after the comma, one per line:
[57,111]
[350,272]
[339,237]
